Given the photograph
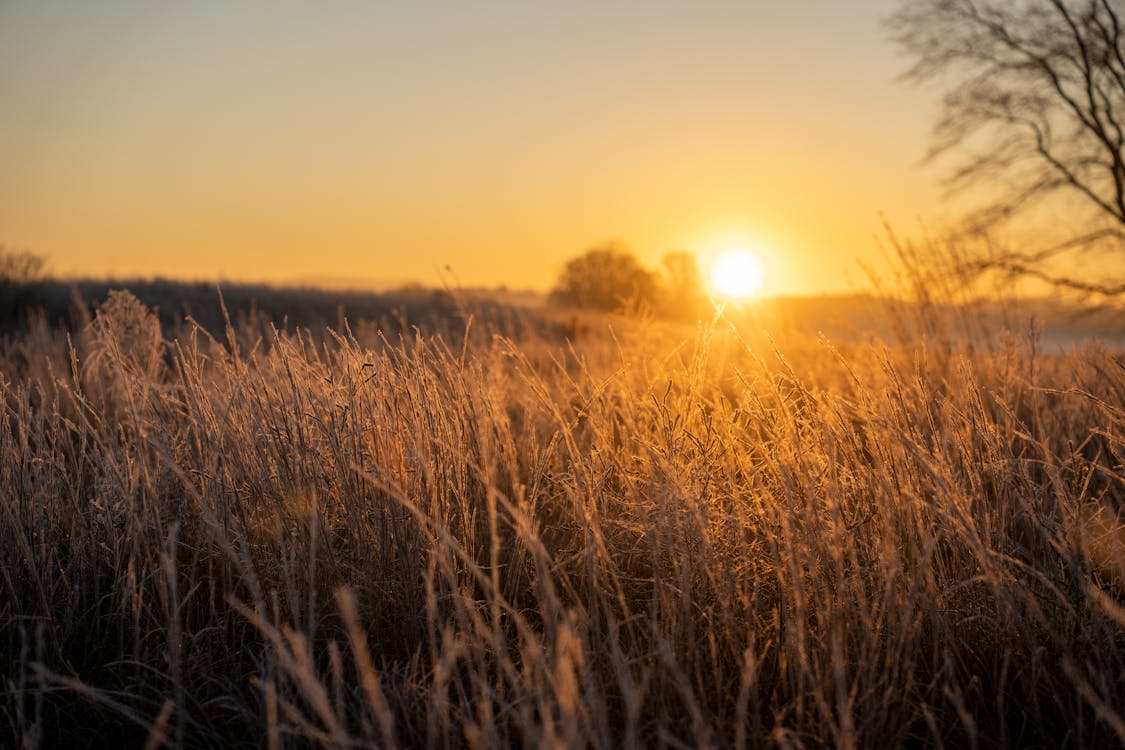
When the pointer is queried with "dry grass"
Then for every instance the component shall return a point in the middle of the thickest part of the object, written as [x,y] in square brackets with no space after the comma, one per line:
[646,538]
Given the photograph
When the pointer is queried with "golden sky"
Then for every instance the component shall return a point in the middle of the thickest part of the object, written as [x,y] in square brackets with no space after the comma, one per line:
[383,140]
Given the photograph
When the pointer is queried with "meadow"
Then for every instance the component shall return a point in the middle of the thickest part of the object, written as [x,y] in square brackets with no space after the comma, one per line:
[542,529]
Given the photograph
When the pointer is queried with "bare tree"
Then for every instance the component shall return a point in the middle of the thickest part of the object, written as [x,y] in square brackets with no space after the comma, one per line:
[20,267]
[1035,100]
[19,273]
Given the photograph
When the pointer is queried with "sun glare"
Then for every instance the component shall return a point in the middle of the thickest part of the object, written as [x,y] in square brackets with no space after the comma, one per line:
[737,273]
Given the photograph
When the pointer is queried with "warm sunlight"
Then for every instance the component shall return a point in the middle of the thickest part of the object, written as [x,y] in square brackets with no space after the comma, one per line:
[737,273]
[540,373]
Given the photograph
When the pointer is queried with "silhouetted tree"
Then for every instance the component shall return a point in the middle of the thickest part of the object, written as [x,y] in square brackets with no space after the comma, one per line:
[607,277]
[1036,99]
[684,295]
[21,267]
[20,275]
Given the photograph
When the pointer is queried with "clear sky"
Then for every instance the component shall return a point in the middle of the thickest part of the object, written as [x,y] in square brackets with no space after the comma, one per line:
[384,140]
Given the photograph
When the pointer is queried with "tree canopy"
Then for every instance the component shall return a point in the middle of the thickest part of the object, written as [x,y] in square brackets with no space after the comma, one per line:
[610,278]
[606,277]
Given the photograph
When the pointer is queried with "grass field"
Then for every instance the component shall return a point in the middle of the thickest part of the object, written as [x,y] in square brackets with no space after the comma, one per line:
[493,534]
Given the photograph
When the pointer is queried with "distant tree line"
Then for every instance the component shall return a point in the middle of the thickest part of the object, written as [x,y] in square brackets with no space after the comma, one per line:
[606,277]
[27,292]
[609,277]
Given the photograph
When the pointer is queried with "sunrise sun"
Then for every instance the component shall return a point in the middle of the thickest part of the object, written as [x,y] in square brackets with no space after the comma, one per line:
[737,273]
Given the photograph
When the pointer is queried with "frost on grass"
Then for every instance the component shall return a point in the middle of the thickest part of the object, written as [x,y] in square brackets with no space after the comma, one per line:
[648,536]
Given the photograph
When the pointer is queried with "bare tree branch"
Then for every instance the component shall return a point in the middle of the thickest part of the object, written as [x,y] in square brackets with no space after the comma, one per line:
[1035,99]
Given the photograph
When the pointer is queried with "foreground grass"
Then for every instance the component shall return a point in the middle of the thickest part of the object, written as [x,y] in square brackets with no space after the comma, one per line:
[634,540]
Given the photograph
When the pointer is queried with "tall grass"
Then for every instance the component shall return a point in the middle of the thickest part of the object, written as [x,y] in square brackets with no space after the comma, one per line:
[646,537]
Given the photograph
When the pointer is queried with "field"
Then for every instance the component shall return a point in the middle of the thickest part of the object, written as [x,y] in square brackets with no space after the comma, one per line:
[531,528]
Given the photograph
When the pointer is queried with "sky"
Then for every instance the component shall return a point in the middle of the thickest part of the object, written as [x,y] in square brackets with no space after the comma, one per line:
[476,143]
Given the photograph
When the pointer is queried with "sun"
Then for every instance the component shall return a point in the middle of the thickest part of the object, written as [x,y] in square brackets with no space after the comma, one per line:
[737,273]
